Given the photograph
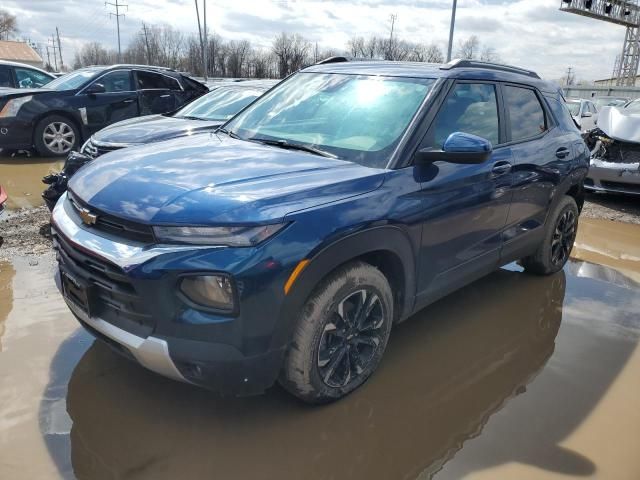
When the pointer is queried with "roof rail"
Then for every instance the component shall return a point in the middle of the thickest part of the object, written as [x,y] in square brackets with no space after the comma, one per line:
[133,65]
[335,59]
[459,63]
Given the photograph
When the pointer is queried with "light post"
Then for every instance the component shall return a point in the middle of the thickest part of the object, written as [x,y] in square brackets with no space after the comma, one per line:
[453,23]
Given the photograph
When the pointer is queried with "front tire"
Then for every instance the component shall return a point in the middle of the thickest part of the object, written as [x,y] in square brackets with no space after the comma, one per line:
[341,336]
[56,136]
[560,234]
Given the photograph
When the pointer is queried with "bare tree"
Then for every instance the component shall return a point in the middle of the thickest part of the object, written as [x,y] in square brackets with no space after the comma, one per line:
[489,55]
[292,52]
[239,52]
[469,49]
[8,25]
[94,54]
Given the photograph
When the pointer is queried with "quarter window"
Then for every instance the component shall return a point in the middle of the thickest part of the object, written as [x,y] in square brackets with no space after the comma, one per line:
[526,114]
[155,81]
[470,108]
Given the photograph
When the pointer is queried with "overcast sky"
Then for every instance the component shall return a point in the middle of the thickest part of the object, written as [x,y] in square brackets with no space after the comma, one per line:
[527,33]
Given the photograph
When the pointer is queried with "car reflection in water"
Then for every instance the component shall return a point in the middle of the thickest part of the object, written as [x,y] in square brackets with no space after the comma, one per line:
[447,370]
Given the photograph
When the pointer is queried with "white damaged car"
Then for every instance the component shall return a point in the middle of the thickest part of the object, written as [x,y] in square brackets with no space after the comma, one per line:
[615,152]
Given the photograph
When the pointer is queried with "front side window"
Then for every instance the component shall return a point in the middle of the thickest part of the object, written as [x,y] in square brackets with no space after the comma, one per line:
[469,108]
[358,118]
[5,76]
[526,114]
[117,81]
[28,78]
[155,81]
[74,80]
[221,104]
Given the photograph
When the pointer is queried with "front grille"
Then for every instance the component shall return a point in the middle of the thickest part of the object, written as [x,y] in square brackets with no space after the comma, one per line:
[110,224]
[95,149]
[621,187]
[112,296]
[624,152]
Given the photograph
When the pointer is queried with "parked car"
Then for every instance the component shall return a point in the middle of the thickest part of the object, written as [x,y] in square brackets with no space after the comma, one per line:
[71,108]
[609,101]
[584,112]
[19,75]
[615,152]
[350,196]
[633,106]
[3,199]
[204,114]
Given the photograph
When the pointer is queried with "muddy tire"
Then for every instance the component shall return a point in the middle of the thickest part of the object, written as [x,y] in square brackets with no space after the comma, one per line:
[560,233]
[56,136]
[341,335]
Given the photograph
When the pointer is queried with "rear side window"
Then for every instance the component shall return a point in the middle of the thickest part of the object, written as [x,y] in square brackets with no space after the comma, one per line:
[155,81]
[469,108]
[526,114]
[28,78]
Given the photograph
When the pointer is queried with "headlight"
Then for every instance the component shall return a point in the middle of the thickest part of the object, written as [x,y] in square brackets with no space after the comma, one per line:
[212,291]
[227,236]
[13,106]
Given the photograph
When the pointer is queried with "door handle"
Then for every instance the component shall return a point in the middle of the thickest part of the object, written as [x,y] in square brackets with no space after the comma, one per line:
[165,96]
[500,168]
[129,101]
[562,152]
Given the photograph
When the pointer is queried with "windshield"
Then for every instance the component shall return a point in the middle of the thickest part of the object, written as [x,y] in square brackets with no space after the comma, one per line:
[609,101]
[574,108]
[221,104]
[74,80]
[359,118]
[633,107]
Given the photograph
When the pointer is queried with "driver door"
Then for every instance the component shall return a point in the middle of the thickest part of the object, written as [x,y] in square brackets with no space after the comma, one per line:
[467,204]
[119,101]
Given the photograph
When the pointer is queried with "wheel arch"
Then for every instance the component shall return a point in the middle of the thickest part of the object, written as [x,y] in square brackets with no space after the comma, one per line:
[387,248]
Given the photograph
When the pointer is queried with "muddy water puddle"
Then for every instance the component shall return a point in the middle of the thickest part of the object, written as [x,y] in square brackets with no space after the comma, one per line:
[515,376]
[22,176]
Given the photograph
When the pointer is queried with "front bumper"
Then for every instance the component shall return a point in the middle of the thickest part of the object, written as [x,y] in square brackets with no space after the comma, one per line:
[613,177]
[228,355]
[15,134]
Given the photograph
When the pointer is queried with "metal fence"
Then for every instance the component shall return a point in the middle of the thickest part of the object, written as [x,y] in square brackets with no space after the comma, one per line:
[588,91]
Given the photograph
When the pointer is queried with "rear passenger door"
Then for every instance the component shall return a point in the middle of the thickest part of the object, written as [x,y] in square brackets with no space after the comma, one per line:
[157,92]
[466,206]
[542,154]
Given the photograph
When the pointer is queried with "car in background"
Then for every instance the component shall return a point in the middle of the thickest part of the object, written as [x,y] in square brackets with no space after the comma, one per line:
[615,152]
[609,101]
[204,114]
[633,106]
[351,195]
[59,117]
[584,112]
[20,75]
[3,199]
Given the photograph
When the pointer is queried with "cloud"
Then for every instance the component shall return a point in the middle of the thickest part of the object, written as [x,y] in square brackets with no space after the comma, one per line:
[530,34]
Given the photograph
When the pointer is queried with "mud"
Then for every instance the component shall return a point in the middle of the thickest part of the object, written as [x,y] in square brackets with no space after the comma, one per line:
[515,376]
[21,176]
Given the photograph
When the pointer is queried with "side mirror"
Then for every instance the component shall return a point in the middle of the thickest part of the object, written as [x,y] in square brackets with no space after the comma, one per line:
[587,114]
[460,147]
[95,88]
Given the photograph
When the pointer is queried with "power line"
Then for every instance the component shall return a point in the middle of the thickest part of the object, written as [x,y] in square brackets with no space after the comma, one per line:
[118,6]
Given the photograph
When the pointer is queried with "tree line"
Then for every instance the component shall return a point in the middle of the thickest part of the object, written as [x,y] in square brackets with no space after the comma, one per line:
[166,46]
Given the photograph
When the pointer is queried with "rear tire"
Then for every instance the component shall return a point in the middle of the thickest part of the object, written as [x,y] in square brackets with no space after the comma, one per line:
[341,335]
[559,236]
[55,136]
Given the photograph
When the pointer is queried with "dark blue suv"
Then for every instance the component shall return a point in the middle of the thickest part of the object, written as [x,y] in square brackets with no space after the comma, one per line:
[284,246]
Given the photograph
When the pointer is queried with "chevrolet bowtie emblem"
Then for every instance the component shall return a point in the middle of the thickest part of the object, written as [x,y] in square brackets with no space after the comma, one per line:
[88,217]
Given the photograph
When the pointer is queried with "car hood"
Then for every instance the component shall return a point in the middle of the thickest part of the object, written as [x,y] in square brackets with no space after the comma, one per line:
[152,128]
[213,179]
[619,125]
[22,92]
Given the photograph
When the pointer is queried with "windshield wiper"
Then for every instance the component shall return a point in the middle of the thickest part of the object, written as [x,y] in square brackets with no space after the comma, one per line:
[295,146]
[191,117]
[230,133]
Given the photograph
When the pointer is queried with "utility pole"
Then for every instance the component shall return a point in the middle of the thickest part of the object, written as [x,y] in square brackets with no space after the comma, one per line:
[206,39]
[117,6]
[54,47]
[393,18]
[569,80]
[48,57]
[59,49]
[201,39]
[451,28]
[146,41]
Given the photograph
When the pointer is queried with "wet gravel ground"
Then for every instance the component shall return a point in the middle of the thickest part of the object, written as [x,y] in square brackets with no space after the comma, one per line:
[25,232]
[619,208]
